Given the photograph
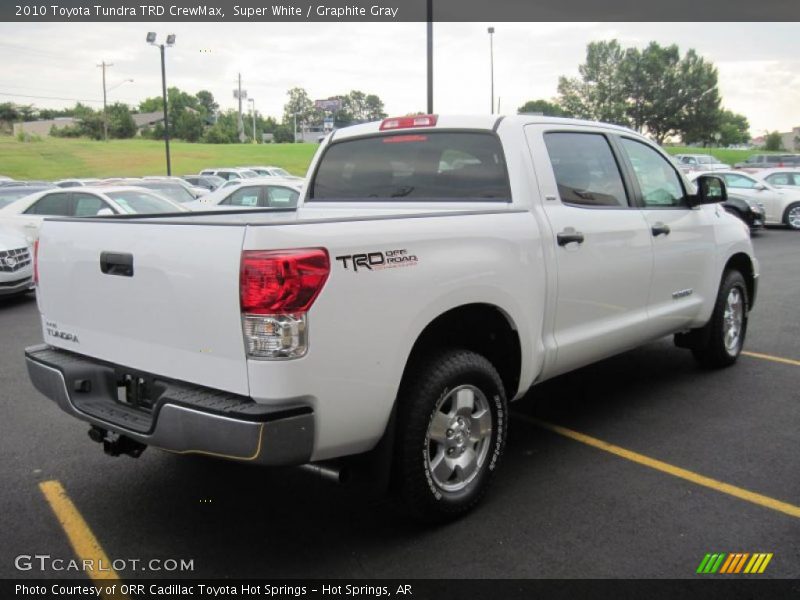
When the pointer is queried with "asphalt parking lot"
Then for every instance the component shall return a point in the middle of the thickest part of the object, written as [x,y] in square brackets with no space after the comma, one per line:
[560,507]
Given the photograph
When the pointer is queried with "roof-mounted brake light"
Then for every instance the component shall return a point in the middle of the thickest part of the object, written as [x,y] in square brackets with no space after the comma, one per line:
[408,122]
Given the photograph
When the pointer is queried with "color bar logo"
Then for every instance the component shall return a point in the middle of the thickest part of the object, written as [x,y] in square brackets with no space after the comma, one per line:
[734,563]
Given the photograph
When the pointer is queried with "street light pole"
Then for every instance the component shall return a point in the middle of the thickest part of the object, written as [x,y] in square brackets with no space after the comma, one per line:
[430,57]
[166,117]
[491,63]
[151,39]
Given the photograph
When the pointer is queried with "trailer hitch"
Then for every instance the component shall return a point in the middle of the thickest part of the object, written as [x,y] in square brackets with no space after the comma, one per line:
[115,444]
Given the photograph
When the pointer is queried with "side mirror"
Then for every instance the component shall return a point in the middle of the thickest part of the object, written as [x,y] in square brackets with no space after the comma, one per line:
[105,212]
[710,190]
[760,187]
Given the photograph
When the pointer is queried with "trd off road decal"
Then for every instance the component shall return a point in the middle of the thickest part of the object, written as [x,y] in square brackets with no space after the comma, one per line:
[375,261]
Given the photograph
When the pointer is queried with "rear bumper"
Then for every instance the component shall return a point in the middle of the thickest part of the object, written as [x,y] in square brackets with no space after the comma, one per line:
[185,419]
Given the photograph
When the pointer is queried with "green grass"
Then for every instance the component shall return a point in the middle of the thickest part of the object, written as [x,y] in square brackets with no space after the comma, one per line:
[58,158]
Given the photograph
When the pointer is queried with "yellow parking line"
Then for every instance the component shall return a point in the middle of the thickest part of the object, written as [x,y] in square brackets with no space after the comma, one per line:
[777,359]
[719,486]
[80,537]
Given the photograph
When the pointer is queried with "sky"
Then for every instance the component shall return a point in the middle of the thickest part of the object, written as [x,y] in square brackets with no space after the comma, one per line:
[759,63]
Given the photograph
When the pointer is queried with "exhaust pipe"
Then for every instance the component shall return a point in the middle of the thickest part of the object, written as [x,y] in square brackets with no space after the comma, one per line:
[331,473]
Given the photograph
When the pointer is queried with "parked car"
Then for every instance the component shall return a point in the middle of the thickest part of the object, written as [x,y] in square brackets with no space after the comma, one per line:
[232,173]
[781,178]
[747,209]
[16,268]
[690,163]
[270,171]
[386,325]
[209,182]
[195,190]
[4,178]
[12,193]
[26,214]
[68,183]
[781,206]
[177,192]
[757,162]
[265,192]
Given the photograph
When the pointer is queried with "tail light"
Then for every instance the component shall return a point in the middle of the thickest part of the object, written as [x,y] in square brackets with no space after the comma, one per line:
[36,262]
[408,122]
[276,290]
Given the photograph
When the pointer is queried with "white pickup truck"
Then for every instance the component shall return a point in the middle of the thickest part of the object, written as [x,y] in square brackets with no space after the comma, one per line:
[437,269]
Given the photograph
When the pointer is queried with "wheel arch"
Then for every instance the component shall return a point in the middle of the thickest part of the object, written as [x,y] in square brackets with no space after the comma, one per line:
[743,263]
[483,328]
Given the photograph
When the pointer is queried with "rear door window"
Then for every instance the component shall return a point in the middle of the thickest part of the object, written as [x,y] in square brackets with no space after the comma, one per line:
[586,171]
[418,166]
[282,197]
[88,205]
[246,196]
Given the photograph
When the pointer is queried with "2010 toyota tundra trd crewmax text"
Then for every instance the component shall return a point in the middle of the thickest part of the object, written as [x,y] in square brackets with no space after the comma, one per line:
[437,268]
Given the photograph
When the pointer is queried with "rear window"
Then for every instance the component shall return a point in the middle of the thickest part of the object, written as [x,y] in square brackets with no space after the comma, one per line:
[414,166]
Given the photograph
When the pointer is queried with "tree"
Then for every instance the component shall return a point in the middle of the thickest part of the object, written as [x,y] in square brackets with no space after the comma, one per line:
[773,141]
[206,103]
[544,107]
[120,122]
[653,90]
[299,104]
[9,112]
[734,129]
[189,126]
[598,94]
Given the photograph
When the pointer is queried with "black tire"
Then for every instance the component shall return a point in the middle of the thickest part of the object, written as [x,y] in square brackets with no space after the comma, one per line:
[713,349]
[794,206]
[430,390]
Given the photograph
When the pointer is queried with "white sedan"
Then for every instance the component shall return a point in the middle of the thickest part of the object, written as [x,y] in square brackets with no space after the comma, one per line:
[26,214]
[781,177]
[16,269]
[265,192]
[781,206]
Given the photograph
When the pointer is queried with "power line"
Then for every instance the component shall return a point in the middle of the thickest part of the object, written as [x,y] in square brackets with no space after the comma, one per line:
[127,100]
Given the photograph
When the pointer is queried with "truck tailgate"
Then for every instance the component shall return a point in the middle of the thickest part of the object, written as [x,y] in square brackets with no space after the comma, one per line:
[174,313]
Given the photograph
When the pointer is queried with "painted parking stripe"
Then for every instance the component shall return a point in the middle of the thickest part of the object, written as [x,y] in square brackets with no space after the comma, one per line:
[658,465]
[80,536]
[777,359]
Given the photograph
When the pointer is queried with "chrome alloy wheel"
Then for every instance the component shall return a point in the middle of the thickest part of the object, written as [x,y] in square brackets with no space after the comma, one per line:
[793,218]
[458,438]
[733,320]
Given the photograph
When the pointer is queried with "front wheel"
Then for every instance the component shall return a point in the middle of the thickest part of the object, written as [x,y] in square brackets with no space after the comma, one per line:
[792,216]
[451,434]
[721,340]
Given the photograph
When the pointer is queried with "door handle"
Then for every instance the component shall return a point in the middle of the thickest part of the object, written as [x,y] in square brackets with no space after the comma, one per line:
[660,229]
[568,236]
[116,263]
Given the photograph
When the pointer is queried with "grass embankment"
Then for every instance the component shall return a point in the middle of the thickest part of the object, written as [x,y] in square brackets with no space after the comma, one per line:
[58,158]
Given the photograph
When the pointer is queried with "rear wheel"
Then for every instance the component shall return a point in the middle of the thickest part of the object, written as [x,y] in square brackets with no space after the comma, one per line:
[792,216]
[451,433]
[720,342]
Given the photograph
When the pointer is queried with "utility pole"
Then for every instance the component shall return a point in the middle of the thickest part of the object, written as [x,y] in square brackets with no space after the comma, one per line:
[240,94]
[253,106]
[103,66]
